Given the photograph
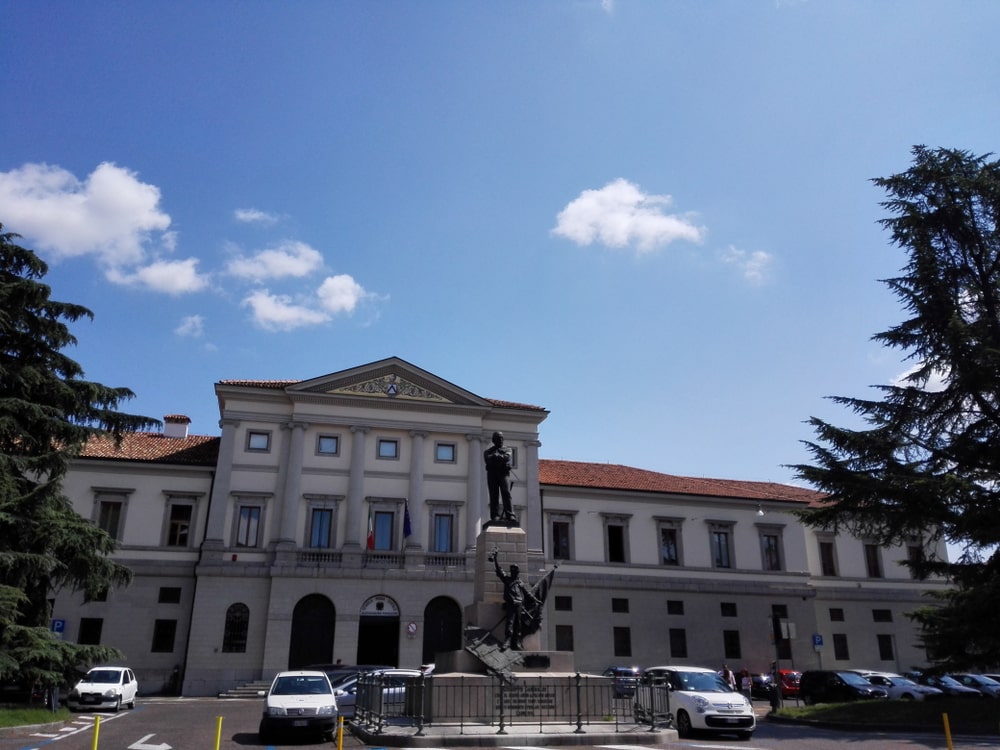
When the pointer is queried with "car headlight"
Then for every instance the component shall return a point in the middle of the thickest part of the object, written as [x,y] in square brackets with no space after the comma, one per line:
[326,710]
[276,711]
[700,702]
[74,693]
[110,693]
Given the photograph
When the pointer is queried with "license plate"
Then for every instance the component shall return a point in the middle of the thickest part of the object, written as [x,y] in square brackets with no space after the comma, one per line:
[730,720]
[300,723]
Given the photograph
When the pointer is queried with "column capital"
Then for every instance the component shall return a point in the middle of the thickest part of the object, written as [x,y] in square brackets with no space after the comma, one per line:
[363,429]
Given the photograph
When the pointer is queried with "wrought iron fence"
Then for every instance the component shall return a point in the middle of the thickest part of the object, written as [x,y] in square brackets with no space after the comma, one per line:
[552,703]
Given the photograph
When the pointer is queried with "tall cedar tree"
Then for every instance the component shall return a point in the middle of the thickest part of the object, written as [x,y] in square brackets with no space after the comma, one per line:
[47,413]
[927,465]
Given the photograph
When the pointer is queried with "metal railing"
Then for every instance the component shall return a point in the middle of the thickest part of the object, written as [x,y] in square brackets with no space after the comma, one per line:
[550,703]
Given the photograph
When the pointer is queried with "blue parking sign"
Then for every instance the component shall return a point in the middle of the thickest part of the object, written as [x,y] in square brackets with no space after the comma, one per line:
[817,640]
[58,626]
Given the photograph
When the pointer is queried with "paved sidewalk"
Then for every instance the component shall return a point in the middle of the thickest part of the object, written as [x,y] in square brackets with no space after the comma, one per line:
[480,735]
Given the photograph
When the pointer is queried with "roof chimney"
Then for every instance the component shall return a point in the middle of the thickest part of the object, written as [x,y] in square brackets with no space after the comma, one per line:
[175,426]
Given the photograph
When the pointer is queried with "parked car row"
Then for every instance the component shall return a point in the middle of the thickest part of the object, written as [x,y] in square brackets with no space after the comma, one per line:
[841,685]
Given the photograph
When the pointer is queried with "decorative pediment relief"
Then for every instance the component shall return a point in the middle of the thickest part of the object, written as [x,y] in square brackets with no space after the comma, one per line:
[390,386]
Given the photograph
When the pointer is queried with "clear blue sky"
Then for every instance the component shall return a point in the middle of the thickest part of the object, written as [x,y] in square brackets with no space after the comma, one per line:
[654,219]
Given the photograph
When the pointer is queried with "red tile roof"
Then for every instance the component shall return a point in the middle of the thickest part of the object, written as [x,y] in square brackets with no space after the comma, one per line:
[618,477]
[153,447]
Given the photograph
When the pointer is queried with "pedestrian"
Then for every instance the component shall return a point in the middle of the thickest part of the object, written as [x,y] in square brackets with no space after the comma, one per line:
[729,677]
[746,684]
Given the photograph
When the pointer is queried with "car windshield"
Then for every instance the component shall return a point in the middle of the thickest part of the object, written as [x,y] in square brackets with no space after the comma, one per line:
[903,682]
[699,682]
[984,680]
[104,676]
[854,679]
[301,685]
[945,680]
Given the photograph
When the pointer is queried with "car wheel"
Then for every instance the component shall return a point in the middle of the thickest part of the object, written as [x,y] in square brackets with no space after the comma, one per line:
[683,724]
[906,697]
[808,700]
[264,733]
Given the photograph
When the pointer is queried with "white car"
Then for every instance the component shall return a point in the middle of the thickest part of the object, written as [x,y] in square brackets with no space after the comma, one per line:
[104,687]
[901,688]
[701,699]
[299,702]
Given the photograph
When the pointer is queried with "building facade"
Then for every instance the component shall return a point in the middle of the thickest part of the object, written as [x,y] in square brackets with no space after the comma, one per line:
[337,518]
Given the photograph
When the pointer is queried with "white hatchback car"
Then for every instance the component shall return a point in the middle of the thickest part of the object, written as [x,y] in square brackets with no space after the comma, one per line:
[299,702]
[701,699]
[104,687]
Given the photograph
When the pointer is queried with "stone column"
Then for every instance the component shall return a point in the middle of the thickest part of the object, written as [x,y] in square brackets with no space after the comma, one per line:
[474,502]
[416,491]
[215,531]
[292,495]
[355,488]
[533,524]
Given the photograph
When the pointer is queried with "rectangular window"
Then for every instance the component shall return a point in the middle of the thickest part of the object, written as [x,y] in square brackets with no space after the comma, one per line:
[827,557]
[721,557]
[179,525]
[328,445]
[731,644]
[619,605]
[384,522]
[914,556]
[560,540]
[321,528]
[248,526]
[678,643]
[109,517]
[564,637]
[616,543]
[728,609]
[170,595]
[782,631]
[873,561]
[885,650]
[443,523]
[258,441]
[675,607]
[388,448]
[623,641]
[770,551]
[445,453]
[90,631]
[882,615]
[564,603]
[669,553]
[840,652]
[164,632]
[836,614]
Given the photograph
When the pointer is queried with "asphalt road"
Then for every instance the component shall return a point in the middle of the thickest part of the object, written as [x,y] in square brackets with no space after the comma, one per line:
[193,724]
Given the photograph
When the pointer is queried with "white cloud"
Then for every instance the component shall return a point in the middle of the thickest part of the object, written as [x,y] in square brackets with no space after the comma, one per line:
[255,216]
[110,215]
[290,258]
[191,325]
[608,6]
[937,380]
[621,215]
[276,312]
[340,293]
[753,265]
[169,276]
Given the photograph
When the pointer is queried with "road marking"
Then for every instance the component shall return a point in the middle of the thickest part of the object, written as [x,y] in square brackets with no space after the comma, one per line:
[141,744]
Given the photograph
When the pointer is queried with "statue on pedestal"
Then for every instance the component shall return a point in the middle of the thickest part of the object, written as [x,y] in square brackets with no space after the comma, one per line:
[498,482]
[522,605]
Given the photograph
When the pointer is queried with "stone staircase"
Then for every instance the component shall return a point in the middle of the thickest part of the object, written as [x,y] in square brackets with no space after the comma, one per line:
[248,690]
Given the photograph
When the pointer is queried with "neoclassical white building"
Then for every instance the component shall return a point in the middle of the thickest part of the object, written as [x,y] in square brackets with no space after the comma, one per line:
[337,518]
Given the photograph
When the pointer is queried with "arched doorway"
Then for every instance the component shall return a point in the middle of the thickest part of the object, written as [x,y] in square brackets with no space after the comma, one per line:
[442,627]
[378,632]
[313,623]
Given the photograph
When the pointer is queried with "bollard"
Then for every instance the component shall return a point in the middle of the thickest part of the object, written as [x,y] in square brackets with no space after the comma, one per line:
[97,731]
[947,731]
[340,733]
[218,731]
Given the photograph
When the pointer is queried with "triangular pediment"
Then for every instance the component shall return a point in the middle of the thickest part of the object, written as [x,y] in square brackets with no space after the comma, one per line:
[391,379]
